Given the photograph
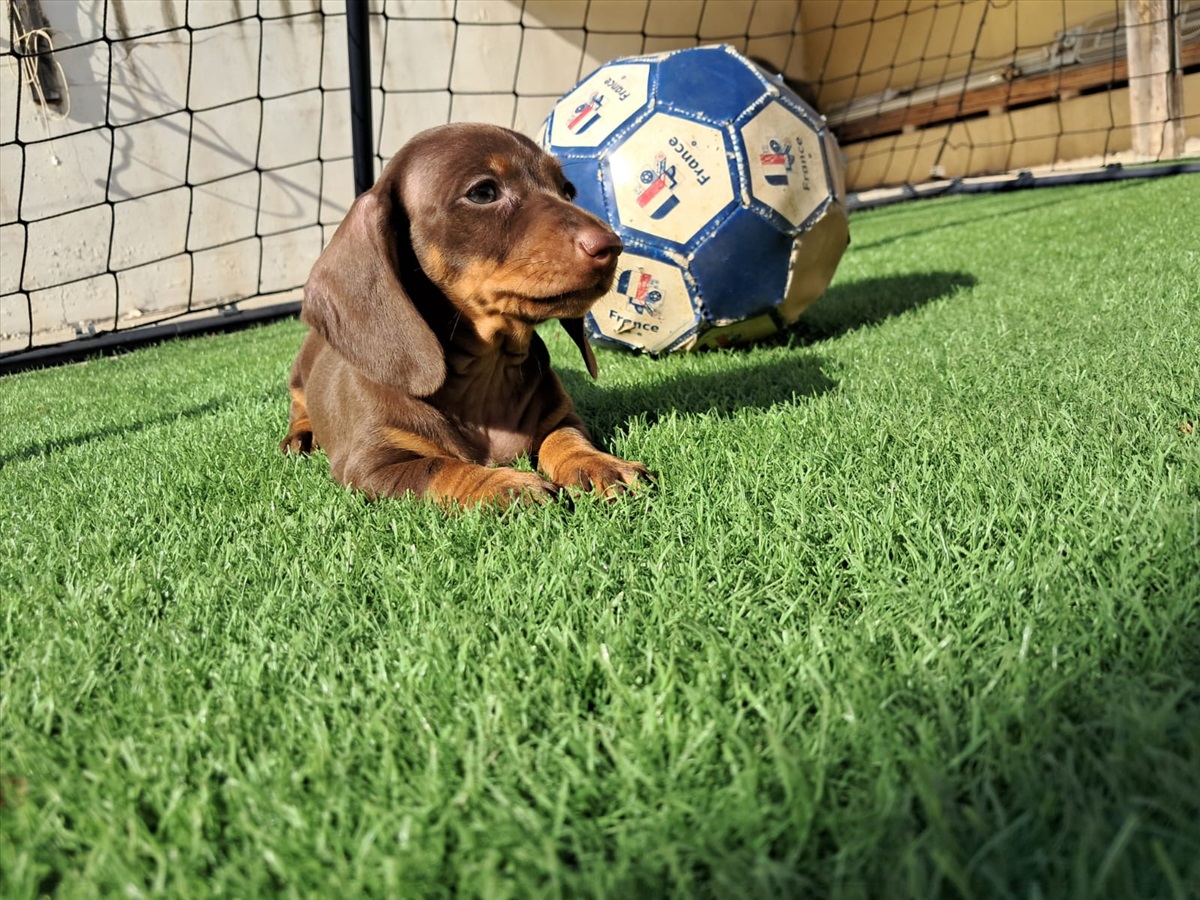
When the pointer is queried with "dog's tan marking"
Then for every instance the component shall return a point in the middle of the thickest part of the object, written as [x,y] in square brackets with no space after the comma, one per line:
[435,265]
[408,442]
[500,165]
[471,286]
[299,438]
[569,458]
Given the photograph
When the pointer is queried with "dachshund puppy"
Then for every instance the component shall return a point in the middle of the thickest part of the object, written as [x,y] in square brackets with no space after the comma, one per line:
[422,373]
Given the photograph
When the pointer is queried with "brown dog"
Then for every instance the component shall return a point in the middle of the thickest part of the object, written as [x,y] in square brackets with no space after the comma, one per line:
[422,372]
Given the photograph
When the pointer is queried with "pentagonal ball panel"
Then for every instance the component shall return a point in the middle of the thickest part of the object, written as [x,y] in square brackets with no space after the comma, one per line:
[588,178]
[737,269]
[711,83]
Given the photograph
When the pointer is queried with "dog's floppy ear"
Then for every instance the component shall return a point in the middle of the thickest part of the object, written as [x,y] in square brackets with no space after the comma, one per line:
[354,299]
[574,327]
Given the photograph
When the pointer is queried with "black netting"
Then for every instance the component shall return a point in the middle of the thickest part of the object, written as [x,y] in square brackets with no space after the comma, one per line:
[167,165]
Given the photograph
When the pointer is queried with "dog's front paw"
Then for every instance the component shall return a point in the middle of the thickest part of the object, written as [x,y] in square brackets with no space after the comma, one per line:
[605,474]
[297,441]
[505,487]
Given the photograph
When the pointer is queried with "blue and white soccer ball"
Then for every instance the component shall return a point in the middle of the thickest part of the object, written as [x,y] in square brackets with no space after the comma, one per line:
[726,188]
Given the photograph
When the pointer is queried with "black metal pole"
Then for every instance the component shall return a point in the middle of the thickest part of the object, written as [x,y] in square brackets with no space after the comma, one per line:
[358,43]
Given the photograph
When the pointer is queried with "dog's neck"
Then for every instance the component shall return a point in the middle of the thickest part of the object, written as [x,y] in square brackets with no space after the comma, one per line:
[489,348]
[494,335]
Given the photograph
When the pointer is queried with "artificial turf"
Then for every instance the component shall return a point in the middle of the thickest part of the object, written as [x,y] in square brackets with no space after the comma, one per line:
[913,609]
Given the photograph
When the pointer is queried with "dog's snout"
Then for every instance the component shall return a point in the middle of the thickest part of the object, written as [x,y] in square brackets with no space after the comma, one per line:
[600,244]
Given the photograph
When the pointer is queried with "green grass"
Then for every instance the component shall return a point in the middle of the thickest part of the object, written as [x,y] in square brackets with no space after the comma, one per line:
[914,609]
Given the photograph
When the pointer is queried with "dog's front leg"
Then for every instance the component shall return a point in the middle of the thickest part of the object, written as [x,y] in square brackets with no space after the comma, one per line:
[569,458]
[447,481]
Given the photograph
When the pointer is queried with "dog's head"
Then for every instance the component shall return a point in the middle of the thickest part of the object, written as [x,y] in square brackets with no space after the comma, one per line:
[467,222]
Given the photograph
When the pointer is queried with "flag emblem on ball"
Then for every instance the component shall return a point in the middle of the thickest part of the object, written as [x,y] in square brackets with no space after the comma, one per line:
[586,114]
[657,195]
[777,161]
[641,290]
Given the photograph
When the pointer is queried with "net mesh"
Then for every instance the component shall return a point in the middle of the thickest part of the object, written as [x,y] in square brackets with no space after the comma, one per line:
[183,162]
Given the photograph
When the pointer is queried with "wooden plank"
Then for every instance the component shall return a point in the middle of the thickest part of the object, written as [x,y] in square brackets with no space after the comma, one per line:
[1154,107]
[1065,82]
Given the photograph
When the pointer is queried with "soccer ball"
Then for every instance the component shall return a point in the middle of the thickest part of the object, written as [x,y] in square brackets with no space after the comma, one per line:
[727,189]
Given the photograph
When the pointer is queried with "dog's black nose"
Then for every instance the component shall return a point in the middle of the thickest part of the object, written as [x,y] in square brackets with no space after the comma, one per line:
[600,244]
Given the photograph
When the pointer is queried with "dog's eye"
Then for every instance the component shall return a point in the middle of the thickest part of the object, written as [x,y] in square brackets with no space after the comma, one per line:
[483,193]
[568,190]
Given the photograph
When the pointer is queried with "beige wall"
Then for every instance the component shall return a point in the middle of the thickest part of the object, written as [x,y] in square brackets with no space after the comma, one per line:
[228,166]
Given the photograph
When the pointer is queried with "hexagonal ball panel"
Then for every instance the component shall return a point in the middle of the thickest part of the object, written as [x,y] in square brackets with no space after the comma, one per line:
[738,333]
[787,169]
[649,307]
[814,262]
[671,177]
[600,105]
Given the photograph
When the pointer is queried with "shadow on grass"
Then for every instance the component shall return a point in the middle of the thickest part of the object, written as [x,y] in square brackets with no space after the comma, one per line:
[57,445]
[848,307]
[739,384]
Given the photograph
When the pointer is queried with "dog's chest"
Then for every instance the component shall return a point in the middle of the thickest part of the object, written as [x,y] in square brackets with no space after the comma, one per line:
[495,440]
[496,415]
[506,444]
